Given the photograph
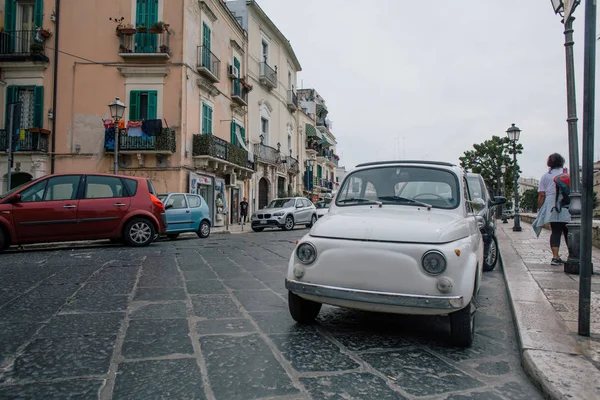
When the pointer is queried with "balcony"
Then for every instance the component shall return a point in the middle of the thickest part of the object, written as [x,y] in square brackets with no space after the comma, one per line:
[293,166]
[162,144]
[267,76]
[21,46]
[292,100]
[144,45]
[239,94]
[215,154]
[34,142]
[267,154]
[208,64]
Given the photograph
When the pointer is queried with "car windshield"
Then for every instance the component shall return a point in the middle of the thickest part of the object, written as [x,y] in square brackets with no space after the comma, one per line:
[401,185]
[16,189]
[476,188]
[323,204]
[282,203]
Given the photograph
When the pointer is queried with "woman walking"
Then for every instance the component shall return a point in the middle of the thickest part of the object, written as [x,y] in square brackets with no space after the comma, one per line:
[547,211]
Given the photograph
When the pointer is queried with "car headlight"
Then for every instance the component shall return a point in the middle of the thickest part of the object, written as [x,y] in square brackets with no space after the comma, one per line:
[434,262]
[278,214]
[307,253]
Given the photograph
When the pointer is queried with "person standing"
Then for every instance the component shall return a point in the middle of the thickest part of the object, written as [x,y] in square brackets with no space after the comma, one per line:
[243,211]
[547,211]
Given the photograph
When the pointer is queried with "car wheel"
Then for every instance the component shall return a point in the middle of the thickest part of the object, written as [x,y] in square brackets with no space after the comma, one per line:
[204,230]
[462,327]
[139,232]
[490,255]
[173,236]
[313,221]
[258,229]
[302,310]
[289,223]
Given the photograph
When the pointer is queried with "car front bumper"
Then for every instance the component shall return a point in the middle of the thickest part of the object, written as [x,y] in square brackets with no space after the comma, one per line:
[268,223]
[450,303]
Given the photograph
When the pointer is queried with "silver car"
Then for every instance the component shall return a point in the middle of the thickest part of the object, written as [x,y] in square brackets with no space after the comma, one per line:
[285,213]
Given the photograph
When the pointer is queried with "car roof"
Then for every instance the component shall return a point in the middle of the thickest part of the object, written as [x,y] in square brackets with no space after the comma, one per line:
[443,165]
[137,178]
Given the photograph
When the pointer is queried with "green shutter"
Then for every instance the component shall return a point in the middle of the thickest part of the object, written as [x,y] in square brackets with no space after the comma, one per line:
[206,119]
[319,171]
[203,118]
[152,104]
[243,133]
[206,47]
[38,13]
[233,138]
[134,105]
[38,107]
[10,20]
[152,12]
[210,119]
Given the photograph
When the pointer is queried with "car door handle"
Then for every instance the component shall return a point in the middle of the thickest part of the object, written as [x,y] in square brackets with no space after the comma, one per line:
[119,205]
[187,212]
[69,206]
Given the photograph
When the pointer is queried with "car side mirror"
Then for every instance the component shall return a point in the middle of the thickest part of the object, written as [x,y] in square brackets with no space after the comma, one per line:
[168,206]
[478,204]
[498,200]
[15,199]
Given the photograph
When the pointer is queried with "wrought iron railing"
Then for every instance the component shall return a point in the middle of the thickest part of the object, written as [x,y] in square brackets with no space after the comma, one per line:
[268,75]
[144,43]
[166,142]
[267,154]
[22,43]
[209,62]
[209,145]
[292,99]
[239,92]
[30,141]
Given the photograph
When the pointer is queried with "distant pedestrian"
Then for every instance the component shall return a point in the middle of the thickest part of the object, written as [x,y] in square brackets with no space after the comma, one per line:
[547,210]
[243,211]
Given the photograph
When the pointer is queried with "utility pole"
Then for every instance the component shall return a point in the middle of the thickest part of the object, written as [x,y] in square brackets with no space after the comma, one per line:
[14,123]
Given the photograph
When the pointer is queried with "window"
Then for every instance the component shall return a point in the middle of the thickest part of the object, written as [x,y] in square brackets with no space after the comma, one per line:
[264,129]
[34,193]
[476,188]
[102,187]
[142,105]
[62,188]
[468,206]
[32,105]
[307,203]
[131,185]
[194,201]
[177,202]
[282,203]
[207,116]
[206,44]
[146,14]
[151,187]
[299,203]
[289,80]
[237,133]
[23,16]
[319,171]
[265,51]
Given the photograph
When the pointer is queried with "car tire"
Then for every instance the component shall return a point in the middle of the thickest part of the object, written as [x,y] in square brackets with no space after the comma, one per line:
[203,230]
[462,327]
[173,236]
[139,232]
[490,255]
[257,229]
[289,223]
[313,221]
[303,311]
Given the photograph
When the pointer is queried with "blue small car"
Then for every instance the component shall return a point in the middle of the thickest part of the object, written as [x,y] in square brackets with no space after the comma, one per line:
[186,213]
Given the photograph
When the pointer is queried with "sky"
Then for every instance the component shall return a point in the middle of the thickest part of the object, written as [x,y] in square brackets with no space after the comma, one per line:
[427,79]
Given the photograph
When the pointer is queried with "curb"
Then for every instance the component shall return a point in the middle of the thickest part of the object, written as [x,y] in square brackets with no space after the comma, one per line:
[550,354]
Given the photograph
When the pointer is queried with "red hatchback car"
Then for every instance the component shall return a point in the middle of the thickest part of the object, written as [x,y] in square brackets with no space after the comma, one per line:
[66,207]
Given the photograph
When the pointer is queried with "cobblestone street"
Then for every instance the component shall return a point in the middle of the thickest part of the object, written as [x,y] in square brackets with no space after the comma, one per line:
[208,319]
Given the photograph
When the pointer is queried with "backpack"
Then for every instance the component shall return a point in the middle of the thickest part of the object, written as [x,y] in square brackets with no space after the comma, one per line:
[563,189]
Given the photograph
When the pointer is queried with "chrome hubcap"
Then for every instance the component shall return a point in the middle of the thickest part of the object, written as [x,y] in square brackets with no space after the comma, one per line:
[289,223]
[492,251]
[140,232]
[204,229]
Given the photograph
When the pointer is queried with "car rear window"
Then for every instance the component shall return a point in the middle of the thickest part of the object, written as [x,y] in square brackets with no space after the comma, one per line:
[194,201]
[131,185]
[151,187]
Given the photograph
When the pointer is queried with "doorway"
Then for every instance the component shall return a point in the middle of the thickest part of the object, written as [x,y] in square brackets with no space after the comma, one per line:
[18,179]
[263,193]
[281,192]
[235,202]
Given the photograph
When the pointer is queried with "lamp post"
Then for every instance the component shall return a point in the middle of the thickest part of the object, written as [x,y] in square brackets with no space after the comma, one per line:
[513,135]
[117,108]
[503,169]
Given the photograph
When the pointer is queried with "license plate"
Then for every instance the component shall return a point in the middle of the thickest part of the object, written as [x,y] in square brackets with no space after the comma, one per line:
[263,222]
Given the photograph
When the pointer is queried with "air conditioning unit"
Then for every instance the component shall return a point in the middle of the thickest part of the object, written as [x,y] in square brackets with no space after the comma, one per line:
[231,179]
[233,72]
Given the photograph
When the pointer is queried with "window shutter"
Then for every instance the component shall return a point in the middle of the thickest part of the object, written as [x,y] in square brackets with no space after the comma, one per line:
[134,105]
[243,133]
[204,130]
[233,138]
[38,107]
[152,12]
[10,17]
[152,104]
[38,13]
[210,121]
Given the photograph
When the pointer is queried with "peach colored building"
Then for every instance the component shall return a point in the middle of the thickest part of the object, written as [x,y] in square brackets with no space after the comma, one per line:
[183,82]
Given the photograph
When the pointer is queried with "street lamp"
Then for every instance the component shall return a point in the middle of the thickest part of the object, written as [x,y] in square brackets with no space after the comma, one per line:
[513,135]
[117,108]
[503,170]
[310,162]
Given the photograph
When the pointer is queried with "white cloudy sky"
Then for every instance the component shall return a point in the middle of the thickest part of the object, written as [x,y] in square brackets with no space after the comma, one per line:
[427,79]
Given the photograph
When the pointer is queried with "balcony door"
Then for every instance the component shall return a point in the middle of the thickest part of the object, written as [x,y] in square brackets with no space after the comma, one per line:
[206,44]
[146,15]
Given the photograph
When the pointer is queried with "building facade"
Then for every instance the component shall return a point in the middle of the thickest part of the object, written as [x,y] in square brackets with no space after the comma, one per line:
[180,70]
[272,69]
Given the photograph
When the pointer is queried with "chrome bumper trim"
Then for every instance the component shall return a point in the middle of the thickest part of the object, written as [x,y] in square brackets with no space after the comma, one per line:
[368,296]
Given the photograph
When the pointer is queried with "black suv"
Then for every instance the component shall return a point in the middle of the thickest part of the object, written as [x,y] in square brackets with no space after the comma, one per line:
[487,224]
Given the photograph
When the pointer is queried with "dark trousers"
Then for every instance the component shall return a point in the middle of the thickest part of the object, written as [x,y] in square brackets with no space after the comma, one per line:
[558,228]
[243,218]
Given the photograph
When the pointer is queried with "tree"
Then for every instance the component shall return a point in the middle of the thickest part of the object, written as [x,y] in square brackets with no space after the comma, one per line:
[529,201]
[487,158]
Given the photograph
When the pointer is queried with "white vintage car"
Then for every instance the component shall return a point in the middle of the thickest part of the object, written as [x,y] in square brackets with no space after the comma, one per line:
[400,237]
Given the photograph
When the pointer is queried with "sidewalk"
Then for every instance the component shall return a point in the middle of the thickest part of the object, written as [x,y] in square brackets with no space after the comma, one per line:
[544,302]
[232,229]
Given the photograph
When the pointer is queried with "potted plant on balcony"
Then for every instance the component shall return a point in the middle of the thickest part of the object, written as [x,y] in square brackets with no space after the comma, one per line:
[125,30]
[45,33]
[158,27]
[142,28]
[164,48]
[36,48]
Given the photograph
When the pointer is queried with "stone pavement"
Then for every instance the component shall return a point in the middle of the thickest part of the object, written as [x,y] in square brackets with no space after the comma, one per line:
[208,319]
[545,305]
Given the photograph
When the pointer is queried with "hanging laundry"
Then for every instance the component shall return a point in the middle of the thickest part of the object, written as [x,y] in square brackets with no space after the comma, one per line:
[109,138]
[152,127]
[121,124]
[108,123]
[134,128]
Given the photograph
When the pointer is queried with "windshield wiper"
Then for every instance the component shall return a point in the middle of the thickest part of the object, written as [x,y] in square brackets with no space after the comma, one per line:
[359,200]
[392,198]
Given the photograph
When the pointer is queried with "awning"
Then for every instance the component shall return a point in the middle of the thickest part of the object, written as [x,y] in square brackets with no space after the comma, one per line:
[326,141]
[321,111]
[311,131]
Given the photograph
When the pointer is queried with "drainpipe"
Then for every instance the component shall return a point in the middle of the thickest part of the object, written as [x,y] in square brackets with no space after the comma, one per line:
[55,89]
